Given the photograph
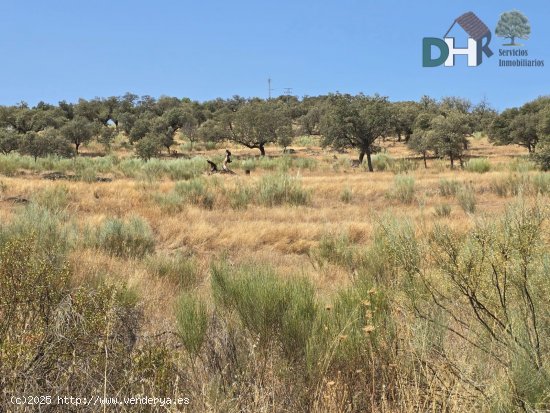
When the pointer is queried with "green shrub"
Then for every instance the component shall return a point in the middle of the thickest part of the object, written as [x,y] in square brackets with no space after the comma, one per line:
[448,187]
[255,293]
[192,322]
[55,199]
[282,317]
[248,164]
[179,269]
[87,175]
[40,304]
[396,247]
[466,197]
[49,227]
[85,328]
[346,195]
[541,183]
[76,327]
[210,145]
[188,147]
[185,169]
[478,165]
[192,192]
[274,190]
[153,170]
[403,166]
[196,192]
[443,210]
[130,167]
[131,238]
[270,308]
[381,161]
[384,162]
[521,165]
[306,141]
[500,186]
[542,157]
[356,330]
[403,189]
[208,201]
[305,163]
[170,203]
[511,185]
[240,197]
[54,163]
[85,169]
[440,165]
[477,273]
[298,318]
[338,163]
[265,162]
[284,163]
[334,249]
[33,279]
[8,164]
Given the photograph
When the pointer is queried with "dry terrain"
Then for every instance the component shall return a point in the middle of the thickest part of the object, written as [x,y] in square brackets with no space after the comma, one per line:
[342,203]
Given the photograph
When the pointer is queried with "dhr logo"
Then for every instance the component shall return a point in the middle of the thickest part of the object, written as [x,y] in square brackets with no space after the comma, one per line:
[479,37]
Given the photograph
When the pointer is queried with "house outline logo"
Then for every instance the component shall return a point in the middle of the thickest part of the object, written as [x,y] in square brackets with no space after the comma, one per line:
[479,37]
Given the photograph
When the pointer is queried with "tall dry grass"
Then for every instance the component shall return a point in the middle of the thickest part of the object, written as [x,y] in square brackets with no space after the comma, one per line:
[300,287]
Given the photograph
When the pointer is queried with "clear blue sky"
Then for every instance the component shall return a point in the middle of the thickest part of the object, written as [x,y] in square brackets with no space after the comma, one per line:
[59,49]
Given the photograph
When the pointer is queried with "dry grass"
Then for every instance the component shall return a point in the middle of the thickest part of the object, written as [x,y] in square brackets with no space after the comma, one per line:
[282,236]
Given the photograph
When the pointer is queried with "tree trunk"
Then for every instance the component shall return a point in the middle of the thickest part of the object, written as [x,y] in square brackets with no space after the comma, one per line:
[398,136]
[369,161]
[425,163]
[361,157]
[452,162]
[262,149]
[77,145]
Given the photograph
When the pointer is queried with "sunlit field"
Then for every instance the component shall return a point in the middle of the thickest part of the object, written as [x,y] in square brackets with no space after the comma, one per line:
[298,283]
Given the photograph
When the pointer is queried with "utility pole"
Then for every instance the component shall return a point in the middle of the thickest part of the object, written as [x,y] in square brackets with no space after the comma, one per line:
[287,92]
[269,89]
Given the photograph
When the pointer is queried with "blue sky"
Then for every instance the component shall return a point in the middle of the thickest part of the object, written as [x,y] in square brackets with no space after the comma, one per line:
[59,49]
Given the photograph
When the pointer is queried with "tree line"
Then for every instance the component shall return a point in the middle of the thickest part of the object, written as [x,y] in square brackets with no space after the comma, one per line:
[431,128]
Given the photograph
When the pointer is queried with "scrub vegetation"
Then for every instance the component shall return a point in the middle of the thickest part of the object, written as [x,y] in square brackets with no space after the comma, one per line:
[359,255]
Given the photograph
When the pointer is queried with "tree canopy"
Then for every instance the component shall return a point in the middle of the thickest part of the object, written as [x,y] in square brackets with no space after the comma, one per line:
[344,122]
[513,25]
[449,135]
[520,126]
[253,124]
[356,122]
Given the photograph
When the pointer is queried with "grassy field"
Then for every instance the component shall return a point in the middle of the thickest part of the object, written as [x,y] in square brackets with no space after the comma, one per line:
[306,285]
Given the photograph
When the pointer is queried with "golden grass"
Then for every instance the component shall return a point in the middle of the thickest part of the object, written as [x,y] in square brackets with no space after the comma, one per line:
[281,235]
